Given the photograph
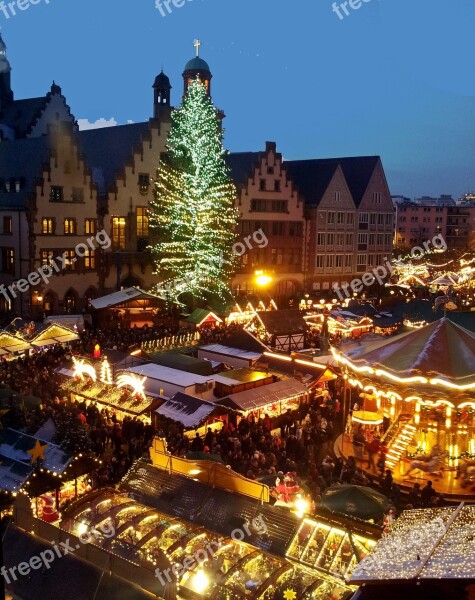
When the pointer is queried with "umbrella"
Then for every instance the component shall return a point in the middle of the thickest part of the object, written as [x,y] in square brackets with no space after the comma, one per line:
[356,501]
[204,456]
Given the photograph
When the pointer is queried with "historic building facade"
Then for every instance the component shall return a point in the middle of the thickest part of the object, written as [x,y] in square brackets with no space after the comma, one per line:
[306,224]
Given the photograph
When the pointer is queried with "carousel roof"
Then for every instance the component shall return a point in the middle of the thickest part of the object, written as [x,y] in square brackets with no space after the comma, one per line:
[441,348]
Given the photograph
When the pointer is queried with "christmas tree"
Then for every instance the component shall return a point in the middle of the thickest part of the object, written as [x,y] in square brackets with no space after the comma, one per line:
[193,215]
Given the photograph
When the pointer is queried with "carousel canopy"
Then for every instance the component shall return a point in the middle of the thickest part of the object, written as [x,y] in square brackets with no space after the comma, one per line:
[441,350]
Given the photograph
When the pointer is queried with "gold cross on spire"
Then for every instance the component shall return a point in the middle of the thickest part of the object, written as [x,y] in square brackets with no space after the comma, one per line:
[197,45]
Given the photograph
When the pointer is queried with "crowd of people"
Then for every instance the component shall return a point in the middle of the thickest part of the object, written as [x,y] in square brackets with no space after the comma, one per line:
[299,441]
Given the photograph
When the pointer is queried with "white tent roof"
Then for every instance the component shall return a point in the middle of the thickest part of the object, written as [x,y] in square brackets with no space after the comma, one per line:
[122,297]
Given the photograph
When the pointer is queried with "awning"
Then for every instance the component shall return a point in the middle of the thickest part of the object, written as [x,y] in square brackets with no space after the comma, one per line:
[264,395]
[54,334]
[10,344]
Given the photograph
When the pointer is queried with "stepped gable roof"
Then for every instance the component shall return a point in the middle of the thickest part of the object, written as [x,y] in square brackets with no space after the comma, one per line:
[242,165]
[20,115]
[108,149]
[21,160]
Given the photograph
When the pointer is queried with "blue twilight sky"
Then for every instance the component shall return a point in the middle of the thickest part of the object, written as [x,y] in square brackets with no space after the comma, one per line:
[393,78]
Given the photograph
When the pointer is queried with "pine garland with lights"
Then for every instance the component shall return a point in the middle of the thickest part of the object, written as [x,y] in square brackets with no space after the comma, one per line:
[193,214]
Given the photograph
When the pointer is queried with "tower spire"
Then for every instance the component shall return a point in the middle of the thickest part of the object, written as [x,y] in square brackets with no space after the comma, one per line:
[6,94]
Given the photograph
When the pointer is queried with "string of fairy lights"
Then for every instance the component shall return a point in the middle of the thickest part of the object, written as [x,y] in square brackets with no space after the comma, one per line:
[194,211]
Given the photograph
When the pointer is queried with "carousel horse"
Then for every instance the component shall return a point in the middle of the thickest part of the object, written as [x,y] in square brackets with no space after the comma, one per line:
[466,468]
[429,464]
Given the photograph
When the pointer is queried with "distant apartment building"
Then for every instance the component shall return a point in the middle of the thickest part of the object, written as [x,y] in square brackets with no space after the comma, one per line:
[416,223]
[443,200]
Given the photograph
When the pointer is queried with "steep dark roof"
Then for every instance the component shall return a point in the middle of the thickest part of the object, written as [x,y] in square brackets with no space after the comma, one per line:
[21,160]
[106,150]
[242,165]
[283,322]
[213,508]
[311,177]
[21,114]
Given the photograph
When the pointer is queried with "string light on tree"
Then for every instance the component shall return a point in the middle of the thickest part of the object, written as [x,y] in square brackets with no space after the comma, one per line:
[193,214]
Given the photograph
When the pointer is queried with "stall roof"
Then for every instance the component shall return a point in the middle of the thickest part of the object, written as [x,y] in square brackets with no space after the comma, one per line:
[182,362]
[200,315]
[15,460]
[161,373]
[431,544]
[10,343]
[234,352]
[238,376]
[54,333]
[191,412]
[264,395]
[283,322]
[132,294]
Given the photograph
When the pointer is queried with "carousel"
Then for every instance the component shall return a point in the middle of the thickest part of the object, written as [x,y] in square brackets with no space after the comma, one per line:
[423,383]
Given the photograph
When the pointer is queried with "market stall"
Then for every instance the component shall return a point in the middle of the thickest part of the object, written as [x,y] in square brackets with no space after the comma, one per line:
[273,399]
[125,395]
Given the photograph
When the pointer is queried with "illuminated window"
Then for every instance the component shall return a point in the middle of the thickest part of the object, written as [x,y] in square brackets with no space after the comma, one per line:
[90,260]
[89,226]
[70,260]
[69,226]
[47,226]
[47,257]
[142,222]
[118,232]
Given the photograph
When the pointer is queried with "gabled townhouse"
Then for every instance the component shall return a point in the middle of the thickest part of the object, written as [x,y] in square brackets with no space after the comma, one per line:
[324,221]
